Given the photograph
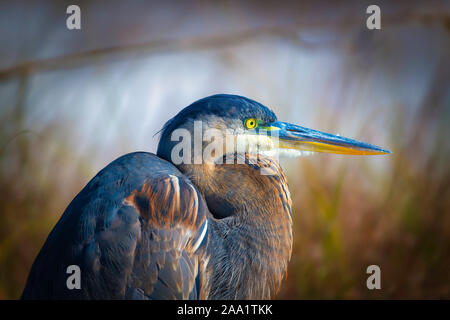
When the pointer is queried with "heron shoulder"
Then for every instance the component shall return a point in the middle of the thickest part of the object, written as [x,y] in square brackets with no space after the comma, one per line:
[131,225]
[161,195]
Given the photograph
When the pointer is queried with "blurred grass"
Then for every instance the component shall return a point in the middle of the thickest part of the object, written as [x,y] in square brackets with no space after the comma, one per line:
[32,198]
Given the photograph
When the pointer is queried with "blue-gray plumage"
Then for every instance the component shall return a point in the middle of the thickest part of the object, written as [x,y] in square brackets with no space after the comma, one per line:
[144,228]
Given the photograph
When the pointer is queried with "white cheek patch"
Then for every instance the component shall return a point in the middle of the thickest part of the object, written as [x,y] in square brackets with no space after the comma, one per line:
[254,143]
[287,153]
[267,146]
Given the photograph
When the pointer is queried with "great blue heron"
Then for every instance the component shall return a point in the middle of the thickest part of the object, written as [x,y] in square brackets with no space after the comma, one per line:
[217,227]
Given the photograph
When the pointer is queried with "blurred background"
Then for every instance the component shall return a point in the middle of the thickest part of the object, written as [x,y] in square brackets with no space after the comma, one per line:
[71,101]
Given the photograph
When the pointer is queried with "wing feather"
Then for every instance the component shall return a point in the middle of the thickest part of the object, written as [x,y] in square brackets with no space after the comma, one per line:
[134,230]
[169,213]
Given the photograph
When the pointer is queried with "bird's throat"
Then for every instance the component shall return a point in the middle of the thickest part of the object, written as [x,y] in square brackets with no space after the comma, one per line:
[251,223]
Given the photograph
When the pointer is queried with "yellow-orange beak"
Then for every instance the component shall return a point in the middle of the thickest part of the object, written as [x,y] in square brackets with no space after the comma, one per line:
[299,138]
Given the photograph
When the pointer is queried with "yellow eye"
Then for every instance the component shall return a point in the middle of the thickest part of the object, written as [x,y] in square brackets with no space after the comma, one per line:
[250,123]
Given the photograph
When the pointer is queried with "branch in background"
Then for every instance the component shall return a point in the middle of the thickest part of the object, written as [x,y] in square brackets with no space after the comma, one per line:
[291,33]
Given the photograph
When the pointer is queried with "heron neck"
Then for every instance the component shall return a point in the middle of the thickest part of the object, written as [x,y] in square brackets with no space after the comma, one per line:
[251,226]
[247,262]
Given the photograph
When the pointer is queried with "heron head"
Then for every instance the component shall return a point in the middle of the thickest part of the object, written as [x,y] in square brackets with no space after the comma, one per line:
[223,124]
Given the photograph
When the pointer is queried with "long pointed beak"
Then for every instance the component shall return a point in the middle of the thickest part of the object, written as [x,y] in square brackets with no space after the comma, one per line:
[300,138]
